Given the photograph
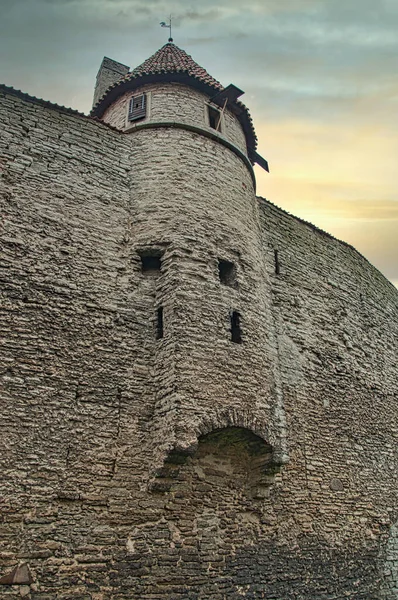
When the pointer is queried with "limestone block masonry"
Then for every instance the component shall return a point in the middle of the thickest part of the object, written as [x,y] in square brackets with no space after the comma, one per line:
[109,73]
[169,432]
[175,103]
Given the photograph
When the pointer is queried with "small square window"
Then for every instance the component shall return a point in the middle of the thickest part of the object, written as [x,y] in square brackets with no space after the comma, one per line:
[214,118]
[137,108]
[151,261]
[227,273]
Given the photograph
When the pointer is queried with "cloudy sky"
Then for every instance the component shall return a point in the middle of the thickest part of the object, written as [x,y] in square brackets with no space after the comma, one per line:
[320,76]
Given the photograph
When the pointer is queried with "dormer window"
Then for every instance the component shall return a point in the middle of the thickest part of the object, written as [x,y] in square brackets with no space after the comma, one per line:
[137,108]
[214,118]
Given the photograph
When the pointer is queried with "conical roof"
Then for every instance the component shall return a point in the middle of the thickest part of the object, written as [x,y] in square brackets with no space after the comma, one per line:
[172,59]
[172,64]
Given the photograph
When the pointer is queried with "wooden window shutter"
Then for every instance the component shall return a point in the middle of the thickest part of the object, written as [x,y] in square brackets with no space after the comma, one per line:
[137,107]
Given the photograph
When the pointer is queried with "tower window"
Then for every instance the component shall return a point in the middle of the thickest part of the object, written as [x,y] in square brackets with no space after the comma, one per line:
[236,333]
[137,108]
[214,118]
[227,272]
[159,323]
[151,261]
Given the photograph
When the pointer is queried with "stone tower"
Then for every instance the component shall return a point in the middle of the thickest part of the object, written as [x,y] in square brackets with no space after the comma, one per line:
[196,213]
[199,391]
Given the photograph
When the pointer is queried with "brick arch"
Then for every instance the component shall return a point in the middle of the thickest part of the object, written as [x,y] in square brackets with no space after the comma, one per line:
[186,439]
[232,418]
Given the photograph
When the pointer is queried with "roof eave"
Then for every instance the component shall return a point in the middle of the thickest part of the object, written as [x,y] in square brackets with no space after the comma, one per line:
[126,85]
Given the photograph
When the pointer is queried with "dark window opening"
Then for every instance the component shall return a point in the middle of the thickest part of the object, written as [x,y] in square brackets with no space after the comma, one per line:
[214,118]
[236,333]
[227,272]
[277,265]
[137,107]
[159,323]
[151,261]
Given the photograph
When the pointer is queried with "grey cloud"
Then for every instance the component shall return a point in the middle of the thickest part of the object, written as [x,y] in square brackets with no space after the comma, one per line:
[216,39]
[373,14]
[58,1]
[142,10]
[197,16]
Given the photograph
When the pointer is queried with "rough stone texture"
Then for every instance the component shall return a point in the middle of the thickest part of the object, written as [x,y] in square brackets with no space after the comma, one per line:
[391,566]
[176,103]
[109,72]
[137,468]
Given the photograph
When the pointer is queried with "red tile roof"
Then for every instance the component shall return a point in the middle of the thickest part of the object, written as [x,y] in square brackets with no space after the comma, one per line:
[170,63]
[171,59]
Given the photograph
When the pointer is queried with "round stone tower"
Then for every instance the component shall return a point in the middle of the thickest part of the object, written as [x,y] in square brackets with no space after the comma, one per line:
[195,227]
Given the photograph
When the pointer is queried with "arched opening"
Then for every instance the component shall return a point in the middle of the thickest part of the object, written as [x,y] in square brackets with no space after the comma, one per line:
[229,455]
[218,501]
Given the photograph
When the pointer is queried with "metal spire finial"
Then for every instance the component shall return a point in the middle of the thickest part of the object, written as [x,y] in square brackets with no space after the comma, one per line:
[163,24]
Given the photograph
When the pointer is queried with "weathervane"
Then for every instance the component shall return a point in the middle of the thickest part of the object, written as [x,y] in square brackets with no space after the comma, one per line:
[163,24]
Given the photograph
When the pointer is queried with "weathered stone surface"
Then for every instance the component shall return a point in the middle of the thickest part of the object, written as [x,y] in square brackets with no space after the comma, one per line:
[109,72]
[136,467]
[19,575]
[173,102]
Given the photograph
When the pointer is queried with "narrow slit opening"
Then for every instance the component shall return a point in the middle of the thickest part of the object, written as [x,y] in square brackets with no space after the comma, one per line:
[159,323]
[236,333]
[277,265]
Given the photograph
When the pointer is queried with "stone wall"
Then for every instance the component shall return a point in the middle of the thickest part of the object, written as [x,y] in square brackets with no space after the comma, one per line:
[391,565]
[136,467]
[73,338]
[178,103]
